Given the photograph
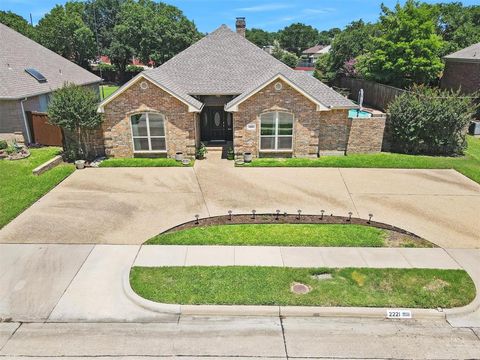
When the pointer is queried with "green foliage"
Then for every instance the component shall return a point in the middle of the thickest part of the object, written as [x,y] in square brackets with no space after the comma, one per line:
[3,144]
[150,31]
[323,68]
[298,37]
[430,121]
[201,151]
[102,16]
[458,25]
[260,37]
[290,59]
[353,41]
[325,37]
[74,109]
[63,31]
[407,49]
[106,67]
[143,162]
[230,153]
[17,23]
[134,69]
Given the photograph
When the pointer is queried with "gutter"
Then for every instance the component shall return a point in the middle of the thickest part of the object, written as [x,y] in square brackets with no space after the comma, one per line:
[27,128]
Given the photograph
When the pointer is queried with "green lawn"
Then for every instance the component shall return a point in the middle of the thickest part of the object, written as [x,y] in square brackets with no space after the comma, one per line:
[20,188]
[284,235]
[468,165]
[143,162]
[107,90]
[416,288]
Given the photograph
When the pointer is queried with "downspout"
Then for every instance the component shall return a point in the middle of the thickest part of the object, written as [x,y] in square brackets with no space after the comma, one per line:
[25,121]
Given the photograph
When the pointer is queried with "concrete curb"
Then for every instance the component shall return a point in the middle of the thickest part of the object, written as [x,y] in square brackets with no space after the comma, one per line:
[47,165]
[248,310]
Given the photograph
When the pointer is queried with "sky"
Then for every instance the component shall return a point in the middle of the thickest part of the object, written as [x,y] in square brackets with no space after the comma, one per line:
[269,15]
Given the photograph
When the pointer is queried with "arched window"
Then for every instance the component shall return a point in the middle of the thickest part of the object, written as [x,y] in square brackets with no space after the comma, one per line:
[148,132]
[276,131]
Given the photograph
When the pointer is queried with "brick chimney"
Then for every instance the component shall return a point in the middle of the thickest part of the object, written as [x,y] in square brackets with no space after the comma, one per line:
[240,25]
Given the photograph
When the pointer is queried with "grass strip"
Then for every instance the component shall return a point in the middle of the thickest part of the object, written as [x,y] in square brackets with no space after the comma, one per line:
[414,288]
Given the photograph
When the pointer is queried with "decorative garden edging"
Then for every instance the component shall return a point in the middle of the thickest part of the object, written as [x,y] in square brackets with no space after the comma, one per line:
[50,164]
[270,218]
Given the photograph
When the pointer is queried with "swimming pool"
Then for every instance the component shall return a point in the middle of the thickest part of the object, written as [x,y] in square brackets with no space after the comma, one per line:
[354,113]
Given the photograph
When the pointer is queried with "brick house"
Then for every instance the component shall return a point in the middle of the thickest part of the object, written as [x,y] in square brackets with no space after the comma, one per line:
[462,70]
[225,90]
[29,73]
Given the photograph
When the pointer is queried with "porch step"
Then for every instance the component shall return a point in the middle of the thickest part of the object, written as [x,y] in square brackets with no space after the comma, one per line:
[214,148]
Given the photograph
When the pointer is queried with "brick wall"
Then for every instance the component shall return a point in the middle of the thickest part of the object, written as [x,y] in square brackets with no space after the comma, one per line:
[313,130]
[180,124]
[365,135]
[464,74]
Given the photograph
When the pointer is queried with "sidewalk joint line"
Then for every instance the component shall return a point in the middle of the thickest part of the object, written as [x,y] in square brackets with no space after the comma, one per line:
[70,282]
[11,336]
[201,191]
[348,191]
[283,336]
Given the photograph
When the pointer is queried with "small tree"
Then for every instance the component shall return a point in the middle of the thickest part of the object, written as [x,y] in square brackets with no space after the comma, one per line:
[430,121]
[289,59]
[74,109]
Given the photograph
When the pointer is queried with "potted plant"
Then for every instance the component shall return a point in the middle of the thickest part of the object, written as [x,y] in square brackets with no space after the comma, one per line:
[201,151]
[230,153]
[80,164]
[179,156]
[247,157]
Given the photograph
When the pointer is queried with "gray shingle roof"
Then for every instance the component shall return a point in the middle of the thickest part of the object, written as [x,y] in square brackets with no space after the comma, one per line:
[225,63]
[18,52]
[471,53]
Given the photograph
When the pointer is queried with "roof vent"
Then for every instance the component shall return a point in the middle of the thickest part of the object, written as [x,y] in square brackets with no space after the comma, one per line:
[36,74]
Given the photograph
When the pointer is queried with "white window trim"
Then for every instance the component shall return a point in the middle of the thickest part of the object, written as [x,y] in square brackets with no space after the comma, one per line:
[149,137]
[276,136]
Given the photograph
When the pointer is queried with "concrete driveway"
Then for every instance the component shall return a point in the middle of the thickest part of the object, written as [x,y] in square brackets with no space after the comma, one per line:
[130,205]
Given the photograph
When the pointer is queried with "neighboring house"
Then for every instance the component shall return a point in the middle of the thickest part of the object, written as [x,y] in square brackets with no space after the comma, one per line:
[313,53]
[224,89]
[462,70]
[29,73]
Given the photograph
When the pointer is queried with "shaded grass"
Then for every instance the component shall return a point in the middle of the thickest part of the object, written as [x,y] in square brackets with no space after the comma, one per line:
[415,288]
[468,165]
[276,234]
[107,90]
[20,188]
[143,162]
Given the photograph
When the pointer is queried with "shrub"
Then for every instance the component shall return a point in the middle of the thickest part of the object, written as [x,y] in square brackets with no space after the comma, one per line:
[107,67]
[74,109]
[134,69]
[3,145]
[430,121]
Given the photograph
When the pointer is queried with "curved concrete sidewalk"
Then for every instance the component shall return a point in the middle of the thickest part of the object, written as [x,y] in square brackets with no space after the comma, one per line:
[334,257]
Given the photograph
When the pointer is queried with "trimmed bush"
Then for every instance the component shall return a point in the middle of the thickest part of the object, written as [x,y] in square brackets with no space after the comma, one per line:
[3,145]
[430,121]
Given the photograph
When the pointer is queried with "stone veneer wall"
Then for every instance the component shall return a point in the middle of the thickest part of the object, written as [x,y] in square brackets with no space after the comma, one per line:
[366,135]
[312,131]
[180,124]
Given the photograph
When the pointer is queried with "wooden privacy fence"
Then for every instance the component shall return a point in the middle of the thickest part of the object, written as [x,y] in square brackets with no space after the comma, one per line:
[374,94]
[42,132]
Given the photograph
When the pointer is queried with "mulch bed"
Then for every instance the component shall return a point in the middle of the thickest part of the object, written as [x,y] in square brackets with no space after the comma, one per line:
[290,219]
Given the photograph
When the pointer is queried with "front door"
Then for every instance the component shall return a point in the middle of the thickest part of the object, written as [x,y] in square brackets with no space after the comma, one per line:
[216,124]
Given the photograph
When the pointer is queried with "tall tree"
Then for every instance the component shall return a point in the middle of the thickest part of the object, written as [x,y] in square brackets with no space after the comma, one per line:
[353,41]
[298,37]
[101,16]
[152,31]
[325,37]
[458,25]
[260,37]
[17,23]
[63,30]
[407,48]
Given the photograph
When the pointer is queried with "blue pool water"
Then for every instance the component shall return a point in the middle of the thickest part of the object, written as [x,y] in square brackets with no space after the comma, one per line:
[353,113]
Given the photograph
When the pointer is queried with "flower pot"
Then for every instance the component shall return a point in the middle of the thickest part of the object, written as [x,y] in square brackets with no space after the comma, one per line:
[179,156]
[247,157]
[80,164]
[186,162]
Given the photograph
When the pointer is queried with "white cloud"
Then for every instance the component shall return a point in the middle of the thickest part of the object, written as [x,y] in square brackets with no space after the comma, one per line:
[265,7]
